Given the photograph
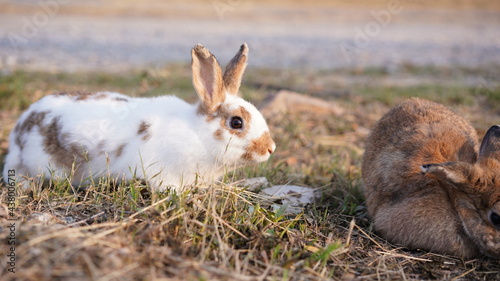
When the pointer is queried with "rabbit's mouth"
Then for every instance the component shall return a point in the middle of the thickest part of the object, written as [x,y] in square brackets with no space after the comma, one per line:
[259,149]
[257,158]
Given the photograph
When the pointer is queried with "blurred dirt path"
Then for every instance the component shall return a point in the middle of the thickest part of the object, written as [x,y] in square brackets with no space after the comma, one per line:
[111,36]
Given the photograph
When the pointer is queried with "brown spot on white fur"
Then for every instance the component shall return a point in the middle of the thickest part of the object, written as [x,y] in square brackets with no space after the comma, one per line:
[225,114]
[120,99]
[19,141]
[203,111]
[219,134]
[55,142]
[99,96]
[79,95]
[119,150]
[57,146]
[260,146]
[101,148]
[34,119]
[144,130]
[245,114]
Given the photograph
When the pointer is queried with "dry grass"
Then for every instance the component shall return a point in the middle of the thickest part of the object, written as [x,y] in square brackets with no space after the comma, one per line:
[225,232]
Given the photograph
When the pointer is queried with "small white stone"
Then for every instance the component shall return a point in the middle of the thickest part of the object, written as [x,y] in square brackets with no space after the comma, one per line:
[43,218]
[293,197]
[254,184]
[296,195]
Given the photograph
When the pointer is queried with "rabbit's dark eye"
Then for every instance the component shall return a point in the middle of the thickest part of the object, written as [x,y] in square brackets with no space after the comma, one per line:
[495,219]
[236,122]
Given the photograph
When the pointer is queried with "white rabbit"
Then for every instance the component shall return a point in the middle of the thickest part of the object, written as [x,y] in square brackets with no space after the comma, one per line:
[163,140]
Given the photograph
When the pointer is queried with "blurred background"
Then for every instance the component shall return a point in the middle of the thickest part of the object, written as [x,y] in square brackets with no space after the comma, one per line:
[112,35]
[333,67]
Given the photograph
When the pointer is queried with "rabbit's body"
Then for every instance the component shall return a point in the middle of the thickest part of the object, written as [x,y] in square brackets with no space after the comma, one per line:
[425,181]
[115,135]
[164,140]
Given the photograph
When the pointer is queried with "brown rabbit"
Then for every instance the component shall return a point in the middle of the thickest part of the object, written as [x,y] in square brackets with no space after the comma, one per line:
[428,186]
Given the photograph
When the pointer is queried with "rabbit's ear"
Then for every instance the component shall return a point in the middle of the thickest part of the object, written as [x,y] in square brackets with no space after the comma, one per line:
[207,79]
[234,70]
[459,174]
[490,146]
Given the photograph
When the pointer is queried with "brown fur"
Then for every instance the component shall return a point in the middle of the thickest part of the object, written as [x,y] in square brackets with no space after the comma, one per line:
[83,96]
[119,150]
[144,130]
[258,146]
[234,70]
[443,206]
[120,99]
[212,88]
[213,93]
[101,148]
[62,153]
[219,135]
[55,142]
[207,79]
[225,115]
[34,119]
[79,95]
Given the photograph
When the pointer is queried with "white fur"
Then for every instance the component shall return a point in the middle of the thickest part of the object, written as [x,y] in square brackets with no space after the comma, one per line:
[182,145]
